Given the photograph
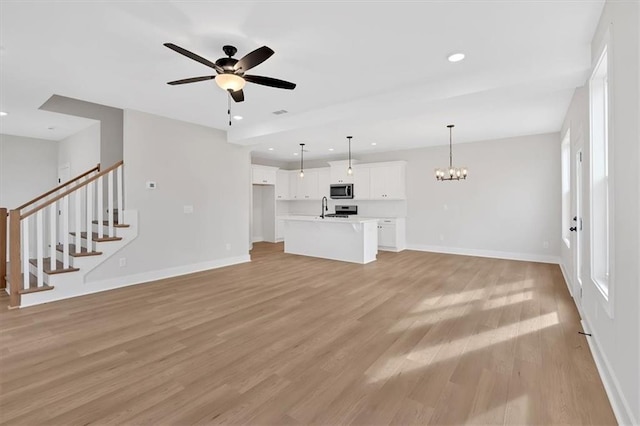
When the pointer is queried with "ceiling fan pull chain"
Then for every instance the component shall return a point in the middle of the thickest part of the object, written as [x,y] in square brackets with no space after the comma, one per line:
[229,107]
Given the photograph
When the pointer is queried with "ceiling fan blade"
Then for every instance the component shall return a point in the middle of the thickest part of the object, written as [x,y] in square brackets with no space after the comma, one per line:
[192,80]
[271,82]
[193,56]
[237,96]
[253,59]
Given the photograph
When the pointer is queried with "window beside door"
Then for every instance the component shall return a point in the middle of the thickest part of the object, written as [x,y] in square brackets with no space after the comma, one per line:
[565,152]
[599,185]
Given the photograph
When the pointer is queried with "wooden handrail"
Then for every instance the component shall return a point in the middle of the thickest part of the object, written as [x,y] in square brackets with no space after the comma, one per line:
[3,247]
[69,191]
[40,197]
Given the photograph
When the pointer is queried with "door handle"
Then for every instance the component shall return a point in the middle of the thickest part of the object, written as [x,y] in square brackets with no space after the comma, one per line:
[573,229]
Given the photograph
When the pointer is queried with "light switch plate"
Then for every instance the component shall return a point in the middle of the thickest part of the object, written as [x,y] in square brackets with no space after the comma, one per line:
[188,209]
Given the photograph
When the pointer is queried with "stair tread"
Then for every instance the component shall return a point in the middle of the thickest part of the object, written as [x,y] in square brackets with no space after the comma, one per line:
[47,266]
[83,251]
[33,285]
[94,237]
[115,224]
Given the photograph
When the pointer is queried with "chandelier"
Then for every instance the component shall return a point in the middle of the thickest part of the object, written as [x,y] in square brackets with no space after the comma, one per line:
[452,173]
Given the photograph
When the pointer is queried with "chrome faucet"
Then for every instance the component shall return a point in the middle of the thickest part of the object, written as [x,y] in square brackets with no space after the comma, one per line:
[325,206]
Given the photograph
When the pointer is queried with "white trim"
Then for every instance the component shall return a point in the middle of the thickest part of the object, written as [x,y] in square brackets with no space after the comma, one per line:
[146,277]
[567,281]
[528,257]
[257,239]
[619,404]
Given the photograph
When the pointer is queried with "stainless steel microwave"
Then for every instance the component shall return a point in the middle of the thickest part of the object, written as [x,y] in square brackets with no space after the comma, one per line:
[341,191]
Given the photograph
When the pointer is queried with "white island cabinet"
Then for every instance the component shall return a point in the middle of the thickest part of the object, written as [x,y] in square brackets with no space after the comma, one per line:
[349,240]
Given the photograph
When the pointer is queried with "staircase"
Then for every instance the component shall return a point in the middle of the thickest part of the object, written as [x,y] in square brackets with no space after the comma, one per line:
[57,238]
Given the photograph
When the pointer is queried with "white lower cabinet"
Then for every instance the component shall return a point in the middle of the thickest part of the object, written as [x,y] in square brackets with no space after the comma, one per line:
[279,230]
[391,234]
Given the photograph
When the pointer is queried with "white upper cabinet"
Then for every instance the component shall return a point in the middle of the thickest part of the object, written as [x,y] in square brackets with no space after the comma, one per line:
[361,183]
[324,182]
[294,181]
[339,172]
[308,185]
[263,175]
[387,181]
[282,185]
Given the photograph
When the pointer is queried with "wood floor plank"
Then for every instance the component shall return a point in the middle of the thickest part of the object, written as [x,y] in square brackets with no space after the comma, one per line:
[413,339]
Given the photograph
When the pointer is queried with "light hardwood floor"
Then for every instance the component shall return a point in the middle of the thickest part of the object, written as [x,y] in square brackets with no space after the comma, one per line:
[414,338]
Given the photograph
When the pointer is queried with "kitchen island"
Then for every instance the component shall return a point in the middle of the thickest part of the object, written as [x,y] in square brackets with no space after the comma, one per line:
[346,239]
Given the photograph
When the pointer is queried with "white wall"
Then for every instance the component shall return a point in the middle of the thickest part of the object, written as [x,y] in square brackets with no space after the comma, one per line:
[81,151]
[615,340]
[28,167]
[192,165]
[509,206]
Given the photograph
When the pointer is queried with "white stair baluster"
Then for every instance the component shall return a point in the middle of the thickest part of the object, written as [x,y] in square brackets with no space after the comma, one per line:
[110,202]
[40,248]
[78,220]
[89,216]
[64,231]
[100,208]
[25,253]
[53,213]
[119,193]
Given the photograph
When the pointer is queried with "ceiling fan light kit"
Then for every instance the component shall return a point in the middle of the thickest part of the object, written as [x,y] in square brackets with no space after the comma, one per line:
[230,82]
[451,173]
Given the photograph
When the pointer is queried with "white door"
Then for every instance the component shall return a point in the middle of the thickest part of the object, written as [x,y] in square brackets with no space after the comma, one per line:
[576,226]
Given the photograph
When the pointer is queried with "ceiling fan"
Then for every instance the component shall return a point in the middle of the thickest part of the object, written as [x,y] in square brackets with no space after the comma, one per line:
[231,72]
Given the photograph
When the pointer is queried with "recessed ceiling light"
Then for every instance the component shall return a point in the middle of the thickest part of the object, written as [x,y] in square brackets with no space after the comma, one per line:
[295,153]
[237,117]
[51,128]
[2,113]
[456,57]
[330,149]
[373,143]
[270,149]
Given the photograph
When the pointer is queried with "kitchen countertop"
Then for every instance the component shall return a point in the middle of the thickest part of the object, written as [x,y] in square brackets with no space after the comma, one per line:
[328,219]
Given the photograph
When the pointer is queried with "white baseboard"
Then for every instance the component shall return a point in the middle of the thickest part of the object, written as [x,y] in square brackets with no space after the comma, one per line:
[145,277]
[619,404]
[486,253]
[567,280]
[257,239]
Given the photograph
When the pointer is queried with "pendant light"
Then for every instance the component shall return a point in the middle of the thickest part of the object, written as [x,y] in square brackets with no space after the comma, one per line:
[451,173]
[301,160]
[349,170]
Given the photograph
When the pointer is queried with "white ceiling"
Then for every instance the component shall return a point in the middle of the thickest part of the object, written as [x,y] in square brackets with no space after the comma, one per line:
[374,70]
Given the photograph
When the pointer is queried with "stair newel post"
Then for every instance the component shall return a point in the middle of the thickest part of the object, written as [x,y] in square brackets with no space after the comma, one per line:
[53,216]
[64,230]
[39,248]
[3,247]
[89,216]
[100,208]
[119,192]
[14,259]
[110,202]
[25,252]
[78,219]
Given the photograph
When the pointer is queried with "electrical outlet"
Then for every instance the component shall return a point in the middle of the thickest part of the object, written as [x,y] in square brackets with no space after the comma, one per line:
[228,246]
[545,244]
[151,185]
[123,262]
[441,237]
[188,209]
